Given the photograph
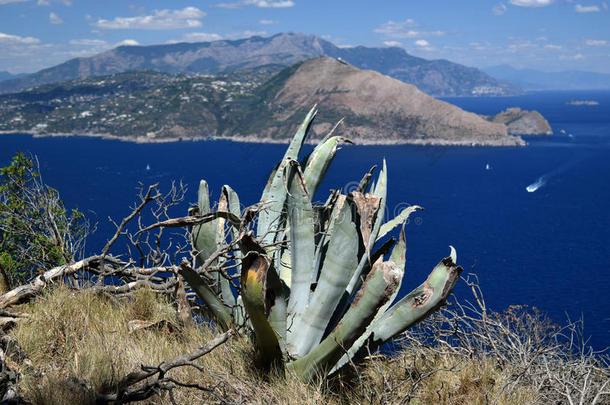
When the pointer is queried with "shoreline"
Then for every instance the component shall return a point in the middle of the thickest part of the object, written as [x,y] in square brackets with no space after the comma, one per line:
[506,142]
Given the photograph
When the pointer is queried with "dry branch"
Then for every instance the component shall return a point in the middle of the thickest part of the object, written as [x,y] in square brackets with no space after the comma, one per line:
[127,390]
[27,291]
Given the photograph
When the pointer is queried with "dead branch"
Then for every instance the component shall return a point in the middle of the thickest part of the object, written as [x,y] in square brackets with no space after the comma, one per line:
[145,200]
[128,392]
[27,291]
[192,220]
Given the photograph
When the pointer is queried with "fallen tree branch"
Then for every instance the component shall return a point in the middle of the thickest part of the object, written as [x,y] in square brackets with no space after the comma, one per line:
[27,291]
[127,393]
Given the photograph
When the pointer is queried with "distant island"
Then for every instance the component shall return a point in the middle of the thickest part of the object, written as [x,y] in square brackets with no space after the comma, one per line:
[145,106]
[582,102]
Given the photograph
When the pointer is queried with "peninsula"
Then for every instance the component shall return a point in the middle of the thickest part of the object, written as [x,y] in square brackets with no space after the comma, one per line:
[145,106]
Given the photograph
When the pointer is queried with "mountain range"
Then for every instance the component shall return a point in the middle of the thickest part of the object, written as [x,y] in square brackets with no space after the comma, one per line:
[7,76]
[148,106]
[435,77]
[529,79]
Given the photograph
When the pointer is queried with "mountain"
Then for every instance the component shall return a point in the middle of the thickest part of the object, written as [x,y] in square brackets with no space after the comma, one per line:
[529,79]
[436,77]
[150,106]
[7,76]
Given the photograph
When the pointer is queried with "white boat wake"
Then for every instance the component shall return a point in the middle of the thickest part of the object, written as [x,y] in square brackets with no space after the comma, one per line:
[544,179]
[536,185]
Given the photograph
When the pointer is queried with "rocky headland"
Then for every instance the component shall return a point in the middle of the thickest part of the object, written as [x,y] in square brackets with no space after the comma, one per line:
[522,122]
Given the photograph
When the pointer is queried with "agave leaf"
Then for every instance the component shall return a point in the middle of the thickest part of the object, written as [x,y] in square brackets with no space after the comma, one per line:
[271,177]
[285,267]
[339,263]
[299,138]
[235,209]
[380,191]
[323,227]
[273,216]
[368,207]
[255,298]
[399,219]
[218,310]
[204,235]
[412,308]
[398,258]
[233,205]
[277,303]
[275,290]
[379,286]
[366,180]
[305,160]
[302,248]
[345,299]
[226,294]
[318,163]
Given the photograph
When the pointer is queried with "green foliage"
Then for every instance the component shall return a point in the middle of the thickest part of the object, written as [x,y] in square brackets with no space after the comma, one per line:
[36,231]
[316,288]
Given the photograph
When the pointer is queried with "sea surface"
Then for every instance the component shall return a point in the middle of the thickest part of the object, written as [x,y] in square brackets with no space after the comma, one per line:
[548,248]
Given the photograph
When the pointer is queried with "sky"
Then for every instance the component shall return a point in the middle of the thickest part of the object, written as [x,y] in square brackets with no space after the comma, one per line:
[548,35]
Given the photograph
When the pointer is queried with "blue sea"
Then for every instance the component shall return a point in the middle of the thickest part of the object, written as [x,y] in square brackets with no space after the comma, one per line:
[549,248]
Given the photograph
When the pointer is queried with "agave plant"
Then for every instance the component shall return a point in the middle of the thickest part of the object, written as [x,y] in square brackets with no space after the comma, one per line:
[314,285]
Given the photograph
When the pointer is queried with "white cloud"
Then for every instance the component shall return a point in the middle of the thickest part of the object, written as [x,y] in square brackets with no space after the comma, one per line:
[542,39]
[422,42]
[88,42]
[392,43]
[531,3]
[209,37]
[201,37]
[245,34]
[15,39]
[586,9]
[604,5]
[189,17]
[480,46]
[396,28]
[55,19]
[48,2]
[127,42]
[403,29]
[268,22]
[12,1]
[554,47]
[578,56]
[258,3]
[499,9]
[597,42]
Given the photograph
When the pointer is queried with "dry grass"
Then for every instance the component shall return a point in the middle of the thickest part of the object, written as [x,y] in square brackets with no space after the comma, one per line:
[426,376]
[77,337]
[77,344]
